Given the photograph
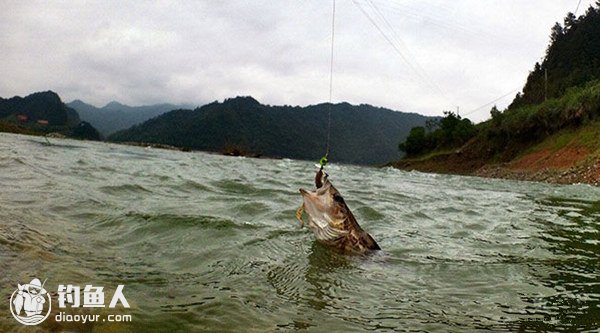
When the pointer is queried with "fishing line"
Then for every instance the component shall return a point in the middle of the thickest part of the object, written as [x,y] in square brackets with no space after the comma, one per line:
[331,76]
[324,159]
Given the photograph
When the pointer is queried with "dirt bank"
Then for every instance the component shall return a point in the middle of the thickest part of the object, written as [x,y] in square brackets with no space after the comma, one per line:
[569,157]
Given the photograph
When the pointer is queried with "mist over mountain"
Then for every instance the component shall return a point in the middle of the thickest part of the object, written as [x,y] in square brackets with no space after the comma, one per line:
[361,134]
[115,116]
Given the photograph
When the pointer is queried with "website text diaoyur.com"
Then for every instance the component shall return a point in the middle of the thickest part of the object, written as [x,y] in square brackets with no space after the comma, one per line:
[88,318]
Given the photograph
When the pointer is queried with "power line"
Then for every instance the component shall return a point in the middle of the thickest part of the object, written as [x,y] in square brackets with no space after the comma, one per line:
[490,103]
[440,21]
[394,40]
[576,9]
[417,66]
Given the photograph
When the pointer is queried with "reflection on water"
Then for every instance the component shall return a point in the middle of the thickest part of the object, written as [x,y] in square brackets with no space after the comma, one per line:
[210,243]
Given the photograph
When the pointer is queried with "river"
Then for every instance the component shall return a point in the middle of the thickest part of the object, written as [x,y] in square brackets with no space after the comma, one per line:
[204,242]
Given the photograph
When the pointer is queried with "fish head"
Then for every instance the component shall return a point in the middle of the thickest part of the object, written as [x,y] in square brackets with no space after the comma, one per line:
[325,206]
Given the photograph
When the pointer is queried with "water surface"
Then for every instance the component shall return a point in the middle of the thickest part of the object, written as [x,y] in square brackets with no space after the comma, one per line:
[210,243]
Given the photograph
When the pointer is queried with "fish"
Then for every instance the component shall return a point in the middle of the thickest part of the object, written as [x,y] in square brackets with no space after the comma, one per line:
[18,301]
[331,220]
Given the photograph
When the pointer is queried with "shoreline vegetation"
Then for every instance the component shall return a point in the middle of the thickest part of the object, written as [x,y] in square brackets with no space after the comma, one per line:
[585,171]
[557,141]
[550,132]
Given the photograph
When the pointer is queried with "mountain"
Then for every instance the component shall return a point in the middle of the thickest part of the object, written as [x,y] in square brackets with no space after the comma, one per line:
[40,106]
[551,130]
[360,134]
[40,113]
[115,116]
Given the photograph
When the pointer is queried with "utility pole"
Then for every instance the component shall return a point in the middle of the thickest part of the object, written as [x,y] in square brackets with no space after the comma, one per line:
[457,111]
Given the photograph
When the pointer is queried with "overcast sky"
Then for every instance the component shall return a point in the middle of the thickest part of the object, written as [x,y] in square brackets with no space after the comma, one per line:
[436,55]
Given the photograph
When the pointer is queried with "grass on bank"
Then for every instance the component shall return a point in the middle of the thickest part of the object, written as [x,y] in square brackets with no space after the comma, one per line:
[509,133]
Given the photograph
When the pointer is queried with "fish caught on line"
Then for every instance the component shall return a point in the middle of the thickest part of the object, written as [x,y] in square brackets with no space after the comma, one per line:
[331,220]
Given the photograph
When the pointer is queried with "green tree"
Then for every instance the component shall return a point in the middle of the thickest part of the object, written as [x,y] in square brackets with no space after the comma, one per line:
[448,132]
[415,143]
[556,33]
[571,59]
[496,116]
[570,21]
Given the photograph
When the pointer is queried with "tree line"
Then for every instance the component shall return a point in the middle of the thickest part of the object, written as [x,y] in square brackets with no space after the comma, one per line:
[561,91]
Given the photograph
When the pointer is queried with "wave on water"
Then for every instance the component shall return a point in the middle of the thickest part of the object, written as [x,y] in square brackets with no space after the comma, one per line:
[210,243]
[124,189]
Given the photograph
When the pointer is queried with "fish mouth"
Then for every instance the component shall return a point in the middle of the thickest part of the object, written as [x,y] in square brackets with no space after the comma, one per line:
[319,191]
[324,188]
[313,202]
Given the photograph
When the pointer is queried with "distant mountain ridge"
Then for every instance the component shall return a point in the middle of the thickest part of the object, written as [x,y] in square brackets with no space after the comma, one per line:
[115,116]
[360,134]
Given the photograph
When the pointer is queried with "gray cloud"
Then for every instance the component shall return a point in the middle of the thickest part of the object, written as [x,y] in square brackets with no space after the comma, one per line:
[466,53]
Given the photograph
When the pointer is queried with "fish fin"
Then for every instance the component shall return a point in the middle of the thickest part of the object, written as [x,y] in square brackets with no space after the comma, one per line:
[299,212]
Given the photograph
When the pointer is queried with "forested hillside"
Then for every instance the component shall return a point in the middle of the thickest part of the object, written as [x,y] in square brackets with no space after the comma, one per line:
[42,113]
[552,124]
[360,134]
[572,59]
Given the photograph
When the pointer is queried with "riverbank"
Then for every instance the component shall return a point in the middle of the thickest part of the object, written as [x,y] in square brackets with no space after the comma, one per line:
[570,156]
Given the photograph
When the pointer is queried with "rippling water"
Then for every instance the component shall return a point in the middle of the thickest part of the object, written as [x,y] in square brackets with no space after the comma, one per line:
[210,243]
